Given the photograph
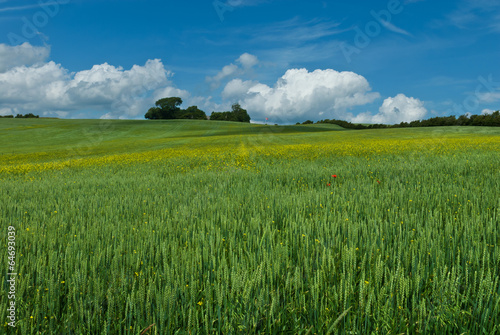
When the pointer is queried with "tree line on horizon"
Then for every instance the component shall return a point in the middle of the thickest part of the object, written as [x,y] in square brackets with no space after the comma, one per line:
[489,120]
[21,116]
[168,109]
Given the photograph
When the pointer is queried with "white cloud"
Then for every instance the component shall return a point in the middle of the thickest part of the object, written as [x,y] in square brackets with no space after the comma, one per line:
[394,28]
[30,85]
[487,111]
[248,60]
[295,31]
[49,88]
[168,92]
[395,110]
[299,93]
[237,88]
[24,54]
[229,71]
[6,111]
[489,97]
[41,83]
[105,84]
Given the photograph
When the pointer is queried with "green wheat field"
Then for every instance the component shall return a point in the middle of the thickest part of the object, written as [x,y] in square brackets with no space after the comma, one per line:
[211,227]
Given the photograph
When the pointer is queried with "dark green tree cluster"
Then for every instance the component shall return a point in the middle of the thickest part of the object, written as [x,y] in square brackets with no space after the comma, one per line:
[489,120]
[168,108]
[21,116]
[349,125]
[28,116]
[237,114]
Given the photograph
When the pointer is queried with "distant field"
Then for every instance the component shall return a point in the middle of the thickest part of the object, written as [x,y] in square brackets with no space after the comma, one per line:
[206,227]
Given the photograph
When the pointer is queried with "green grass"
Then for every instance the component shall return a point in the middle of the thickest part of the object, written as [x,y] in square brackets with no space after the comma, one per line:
[33,135]
[247,232]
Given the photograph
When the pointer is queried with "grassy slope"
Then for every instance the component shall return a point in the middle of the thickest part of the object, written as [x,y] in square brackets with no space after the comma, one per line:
[95,137]
[35,135]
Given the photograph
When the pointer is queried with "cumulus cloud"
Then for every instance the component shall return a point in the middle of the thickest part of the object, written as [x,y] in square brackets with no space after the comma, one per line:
[29,84]
[227,71]
[24,54]
[41,83]
[237,88]
[300,93]
[171,92]
[246,60]
[48,87]
[395,110]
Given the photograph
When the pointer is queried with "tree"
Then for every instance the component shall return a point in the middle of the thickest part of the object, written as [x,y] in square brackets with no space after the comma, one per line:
[492,120]
[169,103]
[166,108]
[193,112]
[463,120]
[495,119]
[153,113]
[237,114]
[240,114]
[222,116]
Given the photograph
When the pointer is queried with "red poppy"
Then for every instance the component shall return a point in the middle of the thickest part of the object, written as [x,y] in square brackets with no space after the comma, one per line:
[378,181]
[334,175]
[328,184]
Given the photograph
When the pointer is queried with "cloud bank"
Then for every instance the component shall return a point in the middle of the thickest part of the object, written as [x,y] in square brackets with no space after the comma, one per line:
[300,94]
[395,110]
[24,54]
[29,84]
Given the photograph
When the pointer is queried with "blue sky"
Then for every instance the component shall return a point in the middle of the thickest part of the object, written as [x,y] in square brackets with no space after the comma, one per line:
[362,61]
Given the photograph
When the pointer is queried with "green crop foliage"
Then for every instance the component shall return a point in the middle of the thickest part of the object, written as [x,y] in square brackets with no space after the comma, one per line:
[220,228]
